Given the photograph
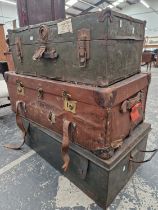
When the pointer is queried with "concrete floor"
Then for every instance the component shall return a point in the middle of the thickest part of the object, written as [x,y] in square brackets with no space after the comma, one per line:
[27,182]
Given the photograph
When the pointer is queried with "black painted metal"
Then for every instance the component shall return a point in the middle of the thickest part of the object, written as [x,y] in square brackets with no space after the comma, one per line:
[100,180]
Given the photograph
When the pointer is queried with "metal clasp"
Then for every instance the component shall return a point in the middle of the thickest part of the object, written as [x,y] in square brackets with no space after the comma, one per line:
[20,88]
[51,117]
[83,47]
[40,93]
[69,105]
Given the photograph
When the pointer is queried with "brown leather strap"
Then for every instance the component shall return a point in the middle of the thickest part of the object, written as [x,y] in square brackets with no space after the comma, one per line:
[65,144]
[19,106]
[128,104]
[43,33]
[39,52]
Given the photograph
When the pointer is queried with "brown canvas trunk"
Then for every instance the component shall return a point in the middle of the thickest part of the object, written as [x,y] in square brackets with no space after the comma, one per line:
[36,11]
[99,118]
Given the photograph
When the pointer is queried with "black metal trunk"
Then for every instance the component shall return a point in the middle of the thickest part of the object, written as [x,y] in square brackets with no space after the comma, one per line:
[100,180]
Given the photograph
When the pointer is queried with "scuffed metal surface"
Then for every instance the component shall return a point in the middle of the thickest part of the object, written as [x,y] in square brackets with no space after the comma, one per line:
[34,184]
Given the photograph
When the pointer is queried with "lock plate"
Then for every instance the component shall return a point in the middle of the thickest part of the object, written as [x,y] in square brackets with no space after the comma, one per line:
[20,88]
[40,93]
[52,117]
[70,106]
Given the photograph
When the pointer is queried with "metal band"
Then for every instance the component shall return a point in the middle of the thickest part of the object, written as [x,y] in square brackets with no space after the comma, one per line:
[145,161]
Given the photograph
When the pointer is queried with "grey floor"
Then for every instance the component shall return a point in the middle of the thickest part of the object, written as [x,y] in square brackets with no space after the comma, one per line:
[27,182]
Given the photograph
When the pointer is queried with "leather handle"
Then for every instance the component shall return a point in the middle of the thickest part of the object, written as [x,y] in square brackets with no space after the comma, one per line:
[50,54]
[20,107]
[128,104]
[145,161]
[42,52]
[65,144]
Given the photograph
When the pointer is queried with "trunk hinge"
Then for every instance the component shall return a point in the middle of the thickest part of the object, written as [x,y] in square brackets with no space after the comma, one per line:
[83,47]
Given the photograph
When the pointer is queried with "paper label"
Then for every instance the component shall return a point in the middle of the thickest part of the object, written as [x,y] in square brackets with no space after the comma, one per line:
[120,23]
[31,38]
[133,30]
[65,27]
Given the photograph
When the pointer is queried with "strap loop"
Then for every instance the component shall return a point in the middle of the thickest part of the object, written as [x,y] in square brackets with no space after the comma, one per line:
[65,144]
[20,107]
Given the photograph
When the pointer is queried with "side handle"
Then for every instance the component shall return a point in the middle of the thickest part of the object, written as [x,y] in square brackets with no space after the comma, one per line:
[42,52]
[145,161]
[128,104]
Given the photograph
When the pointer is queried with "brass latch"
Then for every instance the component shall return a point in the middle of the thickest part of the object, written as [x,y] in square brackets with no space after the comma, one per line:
[83,47]
[20,88]
[69,105]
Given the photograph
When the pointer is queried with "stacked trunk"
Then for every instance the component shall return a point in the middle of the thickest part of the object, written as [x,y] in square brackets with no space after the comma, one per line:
[100,51]
[80,78]
[98,119]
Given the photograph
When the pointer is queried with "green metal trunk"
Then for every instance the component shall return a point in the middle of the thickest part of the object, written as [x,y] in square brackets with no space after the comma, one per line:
[97,49]
[99,179]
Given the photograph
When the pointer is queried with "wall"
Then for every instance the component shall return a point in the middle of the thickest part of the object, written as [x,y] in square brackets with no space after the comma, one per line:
[8,13]
[141,12]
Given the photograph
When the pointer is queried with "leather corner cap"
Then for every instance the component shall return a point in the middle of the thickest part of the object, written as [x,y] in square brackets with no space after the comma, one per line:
[106,98]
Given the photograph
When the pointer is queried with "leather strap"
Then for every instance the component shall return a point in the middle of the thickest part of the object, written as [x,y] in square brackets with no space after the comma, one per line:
[19,106]
[39,52]
[65,144]
[128,104]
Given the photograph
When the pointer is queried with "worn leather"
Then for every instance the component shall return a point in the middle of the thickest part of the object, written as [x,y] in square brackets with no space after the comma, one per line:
[19,106]
[65,144]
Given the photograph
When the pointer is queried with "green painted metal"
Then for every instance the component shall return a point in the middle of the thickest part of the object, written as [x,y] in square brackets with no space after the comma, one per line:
[115,48]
